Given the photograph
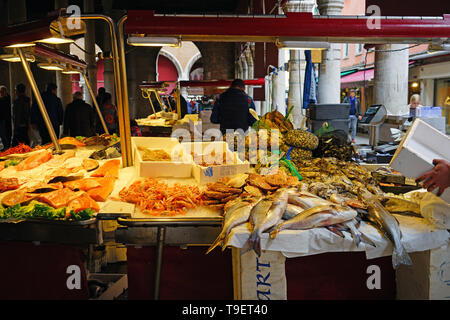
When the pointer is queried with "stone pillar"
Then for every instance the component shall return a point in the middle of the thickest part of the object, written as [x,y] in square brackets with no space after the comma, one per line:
[250,65]
[63,81]
[391,78]
[218,59]
[141,66]
[108,71]
[426,92]
[295,95]
[297,65]
[329,90]
[89,47]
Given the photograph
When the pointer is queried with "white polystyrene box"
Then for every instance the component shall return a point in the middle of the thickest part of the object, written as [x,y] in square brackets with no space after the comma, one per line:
[178,168]
[213,173]
[421,144]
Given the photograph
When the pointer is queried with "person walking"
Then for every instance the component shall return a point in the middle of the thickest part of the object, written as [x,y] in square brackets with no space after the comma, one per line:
[21,116]
[232,108]
[79,118]
[109,112]
[5,117]
[55,112]
[355,112]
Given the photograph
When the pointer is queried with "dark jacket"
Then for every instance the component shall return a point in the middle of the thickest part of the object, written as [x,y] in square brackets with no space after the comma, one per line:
[232,110]
[21,111]
[54,108]
[5,107]
[357,105]
[79,119]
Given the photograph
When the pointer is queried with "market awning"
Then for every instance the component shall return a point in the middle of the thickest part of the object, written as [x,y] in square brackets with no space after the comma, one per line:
[358,77]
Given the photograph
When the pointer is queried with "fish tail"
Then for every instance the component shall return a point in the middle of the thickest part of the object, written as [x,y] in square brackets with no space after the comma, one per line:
[335,231]
[225,242]
[216,243]
[365,239]
[401,257]
[274,233]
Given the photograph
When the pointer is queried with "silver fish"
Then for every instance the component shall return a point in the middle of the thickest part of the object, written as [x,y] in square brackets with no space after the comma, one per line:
[262,221]
[318,216]
[389,225]
[291,211]
[234,215]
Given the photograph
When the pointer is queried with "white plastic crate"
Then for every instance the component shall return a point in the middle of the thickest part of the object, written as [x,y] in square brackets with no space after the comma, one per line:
[179,167]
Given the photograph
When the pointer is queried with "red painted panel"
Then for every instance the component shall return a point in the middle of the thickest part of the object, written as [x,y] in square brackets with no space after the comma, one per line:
[186,274]
[338,275]
[39,272]
[167,72]
[291,25]
[411,7]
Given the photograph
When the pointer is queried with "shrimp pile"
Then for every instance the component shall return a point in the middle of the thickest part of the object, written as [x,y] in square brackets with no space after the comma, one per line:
[157,198]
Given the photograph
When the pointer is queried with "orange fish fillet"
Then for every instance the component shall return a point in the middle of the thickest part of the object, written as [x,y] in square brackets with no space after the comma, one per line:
[111,167]
[34,161]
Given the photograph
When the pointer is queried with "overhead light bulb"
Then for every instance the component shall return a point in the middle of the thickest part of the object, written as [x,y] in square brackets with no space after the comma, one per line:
[11,57]
[154,41]
[301,45]
[56,40]
[21,45]
[50,66]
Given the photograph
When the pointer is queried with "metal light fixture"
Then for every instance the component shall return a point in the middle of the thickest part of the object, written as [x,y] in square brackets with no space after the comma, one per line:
[301,45]
[57,36]
[52,66]
[14,57]
[154,41]
[71,70]
[21,45]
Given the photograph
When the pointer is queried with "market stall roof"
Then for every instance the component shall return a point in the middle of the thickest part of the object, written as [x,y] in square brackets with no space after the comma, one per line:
[220,83]
[292,26]
[358,76]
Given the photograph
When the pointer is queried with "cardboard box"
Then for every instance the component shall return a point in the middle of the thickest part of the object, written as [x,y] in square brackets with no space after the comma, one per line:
[179,167]
[212,173]
[421,144]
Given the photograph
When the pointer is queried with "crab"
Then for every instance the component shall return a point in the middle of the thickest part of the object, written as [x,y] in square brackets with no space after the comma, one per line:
[220,187]
[254,191]
[257,180]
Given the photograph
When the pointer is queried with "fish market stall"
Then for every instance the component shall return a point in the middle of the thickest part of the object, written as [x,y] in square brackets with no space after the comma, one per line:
[51,195]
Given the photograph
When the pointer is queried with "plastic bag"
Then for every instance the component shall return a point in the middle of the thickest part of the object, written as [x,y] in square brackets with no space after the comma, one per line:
[435,210]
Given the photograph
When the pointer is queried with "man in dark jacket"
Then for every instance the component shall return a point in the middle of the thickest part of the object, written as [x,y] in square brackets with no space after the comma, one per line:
[79,118]
[21,116]
[232,108]
[55,112]
[5,117]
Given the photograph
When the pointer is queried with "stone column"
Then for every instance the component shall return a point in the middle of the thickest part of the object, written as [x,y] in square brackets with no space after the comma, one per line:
[297,67]
[426,92]
[63,81]
[89,47]
[391,78]
[250,68]
[141,66]
[329,90]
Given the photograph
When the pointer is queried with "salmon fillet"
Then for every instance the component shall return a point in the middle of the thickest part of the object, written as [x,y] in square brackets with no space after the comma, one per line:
[111,167]
[83,202]
[83,184]
[59,198]
[102,193]
[34,161]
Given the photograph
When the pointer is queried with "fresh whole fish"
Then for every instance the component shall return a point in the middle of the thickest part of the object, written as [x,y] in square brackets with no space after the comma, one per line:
[389,225]
[291,211]
[236,214]
[351,226]
[314,217]
[306,200]
[265,216]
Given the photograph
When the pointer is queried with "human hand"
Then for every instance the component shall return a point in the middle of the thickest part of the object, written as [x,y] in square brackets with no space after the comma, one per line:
[439,176]
[359,117]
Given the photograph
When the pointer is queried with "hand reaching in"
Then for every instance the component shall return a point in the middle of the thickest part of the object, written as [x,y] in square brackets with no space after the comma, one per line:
[438,177]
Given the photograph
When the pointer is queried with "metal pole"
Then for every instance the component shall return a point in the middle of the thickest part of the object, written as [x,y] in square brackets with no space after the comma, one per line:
[178,94]
[123,125]
[94,101]
[40,102]
[159,255]
[125,108]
